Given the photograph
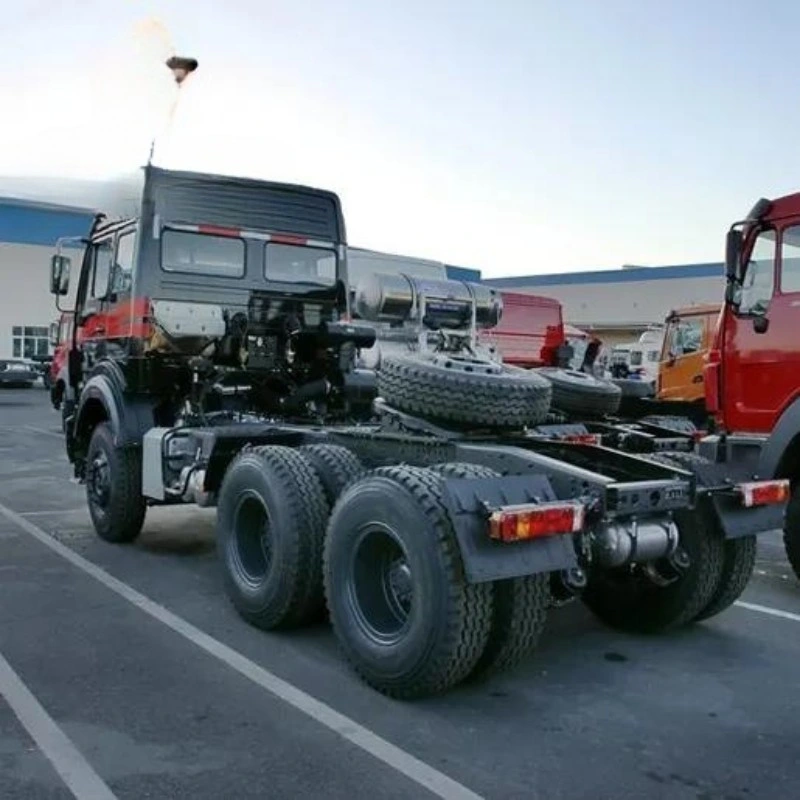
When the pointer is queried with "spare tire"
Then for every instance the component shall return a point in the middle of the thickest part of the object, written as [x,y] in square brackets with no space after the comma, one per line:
[464,390]
[581,393]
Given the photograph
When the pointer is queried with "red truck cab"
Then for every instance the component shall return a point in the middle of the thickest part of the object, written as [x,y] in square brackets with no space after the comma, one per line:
[753,375]
[530,333]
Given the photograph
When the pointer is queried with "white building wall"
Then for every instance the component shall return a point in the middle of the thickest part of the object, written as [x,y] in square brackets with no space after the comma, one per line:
[25,299]
[628,303]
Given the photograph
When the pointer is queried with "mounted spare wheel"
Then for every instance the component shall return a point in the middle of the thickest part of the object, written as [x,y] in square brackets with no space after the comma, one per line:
[459,389]
[577,392]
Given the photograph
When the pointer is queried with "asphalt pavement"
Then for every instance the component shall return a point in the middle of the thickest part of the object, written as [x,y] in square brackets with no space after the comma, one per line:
[125,672]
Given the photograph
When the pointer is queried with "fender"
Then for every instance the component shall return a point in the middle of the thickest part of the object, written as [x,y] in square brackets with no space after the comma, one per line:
[130,417]
[787,429]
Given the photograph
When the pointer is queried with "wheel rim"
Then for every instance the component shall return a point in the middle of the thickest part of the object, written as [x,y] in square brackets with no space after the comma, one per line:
[252,539]
[99,480]
[380,585]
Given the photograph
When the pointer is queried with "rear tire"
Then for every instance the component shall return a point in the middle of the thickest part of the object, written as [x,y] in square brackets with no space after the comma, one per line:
[270,527]
[628,601]
[114,487]
[401,609]
[336,467]
[738,562]
[519,605]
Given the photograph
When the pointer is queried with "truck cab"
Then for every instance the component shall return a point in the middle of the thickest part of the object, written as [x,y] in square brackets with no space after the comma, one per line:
[753,374]
[687,340]
[220,295]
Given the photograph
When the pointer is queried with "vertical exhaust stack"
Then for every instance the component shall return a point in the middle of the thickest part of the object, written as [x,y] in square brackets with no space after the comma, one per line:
[182,67]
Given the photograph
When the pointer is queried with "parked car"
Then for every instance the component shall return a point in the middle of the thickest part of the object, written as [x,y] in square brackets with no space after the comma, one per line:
[17,374]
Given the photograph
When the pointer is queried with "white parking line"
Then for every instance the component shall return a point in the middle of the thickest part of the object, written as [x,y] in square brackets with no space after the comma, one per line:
[50,513]
[74,769]
[43,431]
[418,771]
[772,612]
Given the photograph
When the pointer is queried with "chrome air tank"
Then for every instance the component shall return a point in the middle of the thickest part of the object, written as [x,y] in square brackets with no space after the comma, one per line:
[382,297]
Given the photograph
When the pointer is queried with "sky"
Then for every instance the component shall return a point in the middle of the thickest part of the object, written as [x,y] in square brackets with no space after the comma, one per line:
[516,137]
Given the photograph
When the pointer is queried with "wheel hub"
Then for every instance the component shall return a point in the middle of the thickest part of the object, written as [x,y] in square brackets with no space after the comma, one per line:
[99,479]
[381,585]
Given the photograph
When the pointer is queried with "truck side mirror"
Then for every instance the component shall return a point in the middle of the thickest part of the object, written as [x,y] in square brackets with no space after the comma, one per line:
[733,253]
[760,323]
[54,334]
[59,274]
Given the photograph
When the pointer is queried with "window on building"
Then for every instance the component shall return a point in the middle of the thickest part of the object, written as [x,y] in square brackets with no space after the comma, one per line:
[28,341]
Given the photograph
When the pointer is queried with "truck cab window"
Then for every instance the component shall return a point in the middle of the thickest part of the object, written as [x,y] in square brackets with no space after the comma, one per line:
[759,277]
[101,269]
[790,260]
[102,256]
[122,269]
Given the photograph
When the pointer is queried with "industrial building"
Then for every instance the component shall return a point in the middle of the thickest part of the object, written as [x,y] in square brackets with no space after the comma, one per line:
[621,304]
[28,234]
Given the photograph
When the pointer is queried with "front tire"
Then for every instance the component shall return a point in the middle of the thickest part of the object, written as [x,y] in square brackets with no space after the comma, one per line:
[114,487]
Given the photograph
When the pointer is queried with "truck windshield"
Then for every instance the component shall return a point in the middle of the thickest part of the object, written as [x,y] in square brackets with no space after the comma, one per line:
[299,264]
[202,254]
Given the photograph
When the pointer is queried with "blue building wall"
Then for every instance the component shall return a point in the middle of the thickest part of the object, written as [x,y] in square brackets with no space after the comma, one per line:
[27,223]
[630,275]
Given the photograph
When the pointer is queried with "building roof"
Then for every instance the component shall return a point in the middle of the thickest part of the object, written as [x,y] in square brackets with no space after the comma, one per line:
[37,223]
[625,275]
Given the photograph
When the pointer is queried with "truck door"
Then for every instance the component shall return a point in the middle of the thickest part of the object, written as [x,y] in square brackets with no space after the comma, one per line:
[681,371]
[761,358]
[91,319]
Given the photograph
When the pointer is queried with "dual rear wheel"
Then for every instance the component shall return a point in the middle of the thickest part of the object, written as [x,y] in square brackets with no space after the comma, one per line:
[387,563]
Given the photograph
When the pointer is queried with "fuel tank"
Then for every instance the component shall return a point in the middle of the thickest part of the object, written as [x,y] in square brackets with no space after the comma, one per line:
[382,297]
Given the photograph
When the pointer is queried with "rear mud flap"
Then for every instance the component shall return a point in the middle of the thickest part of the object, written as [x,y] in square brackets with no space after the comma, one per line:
[484,558]
[737,521]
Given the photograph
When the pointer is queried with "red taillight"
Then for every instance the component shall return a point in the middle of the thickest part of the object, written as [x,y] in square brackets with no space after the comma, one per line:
[764,493]
[535,520]
[581,438]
